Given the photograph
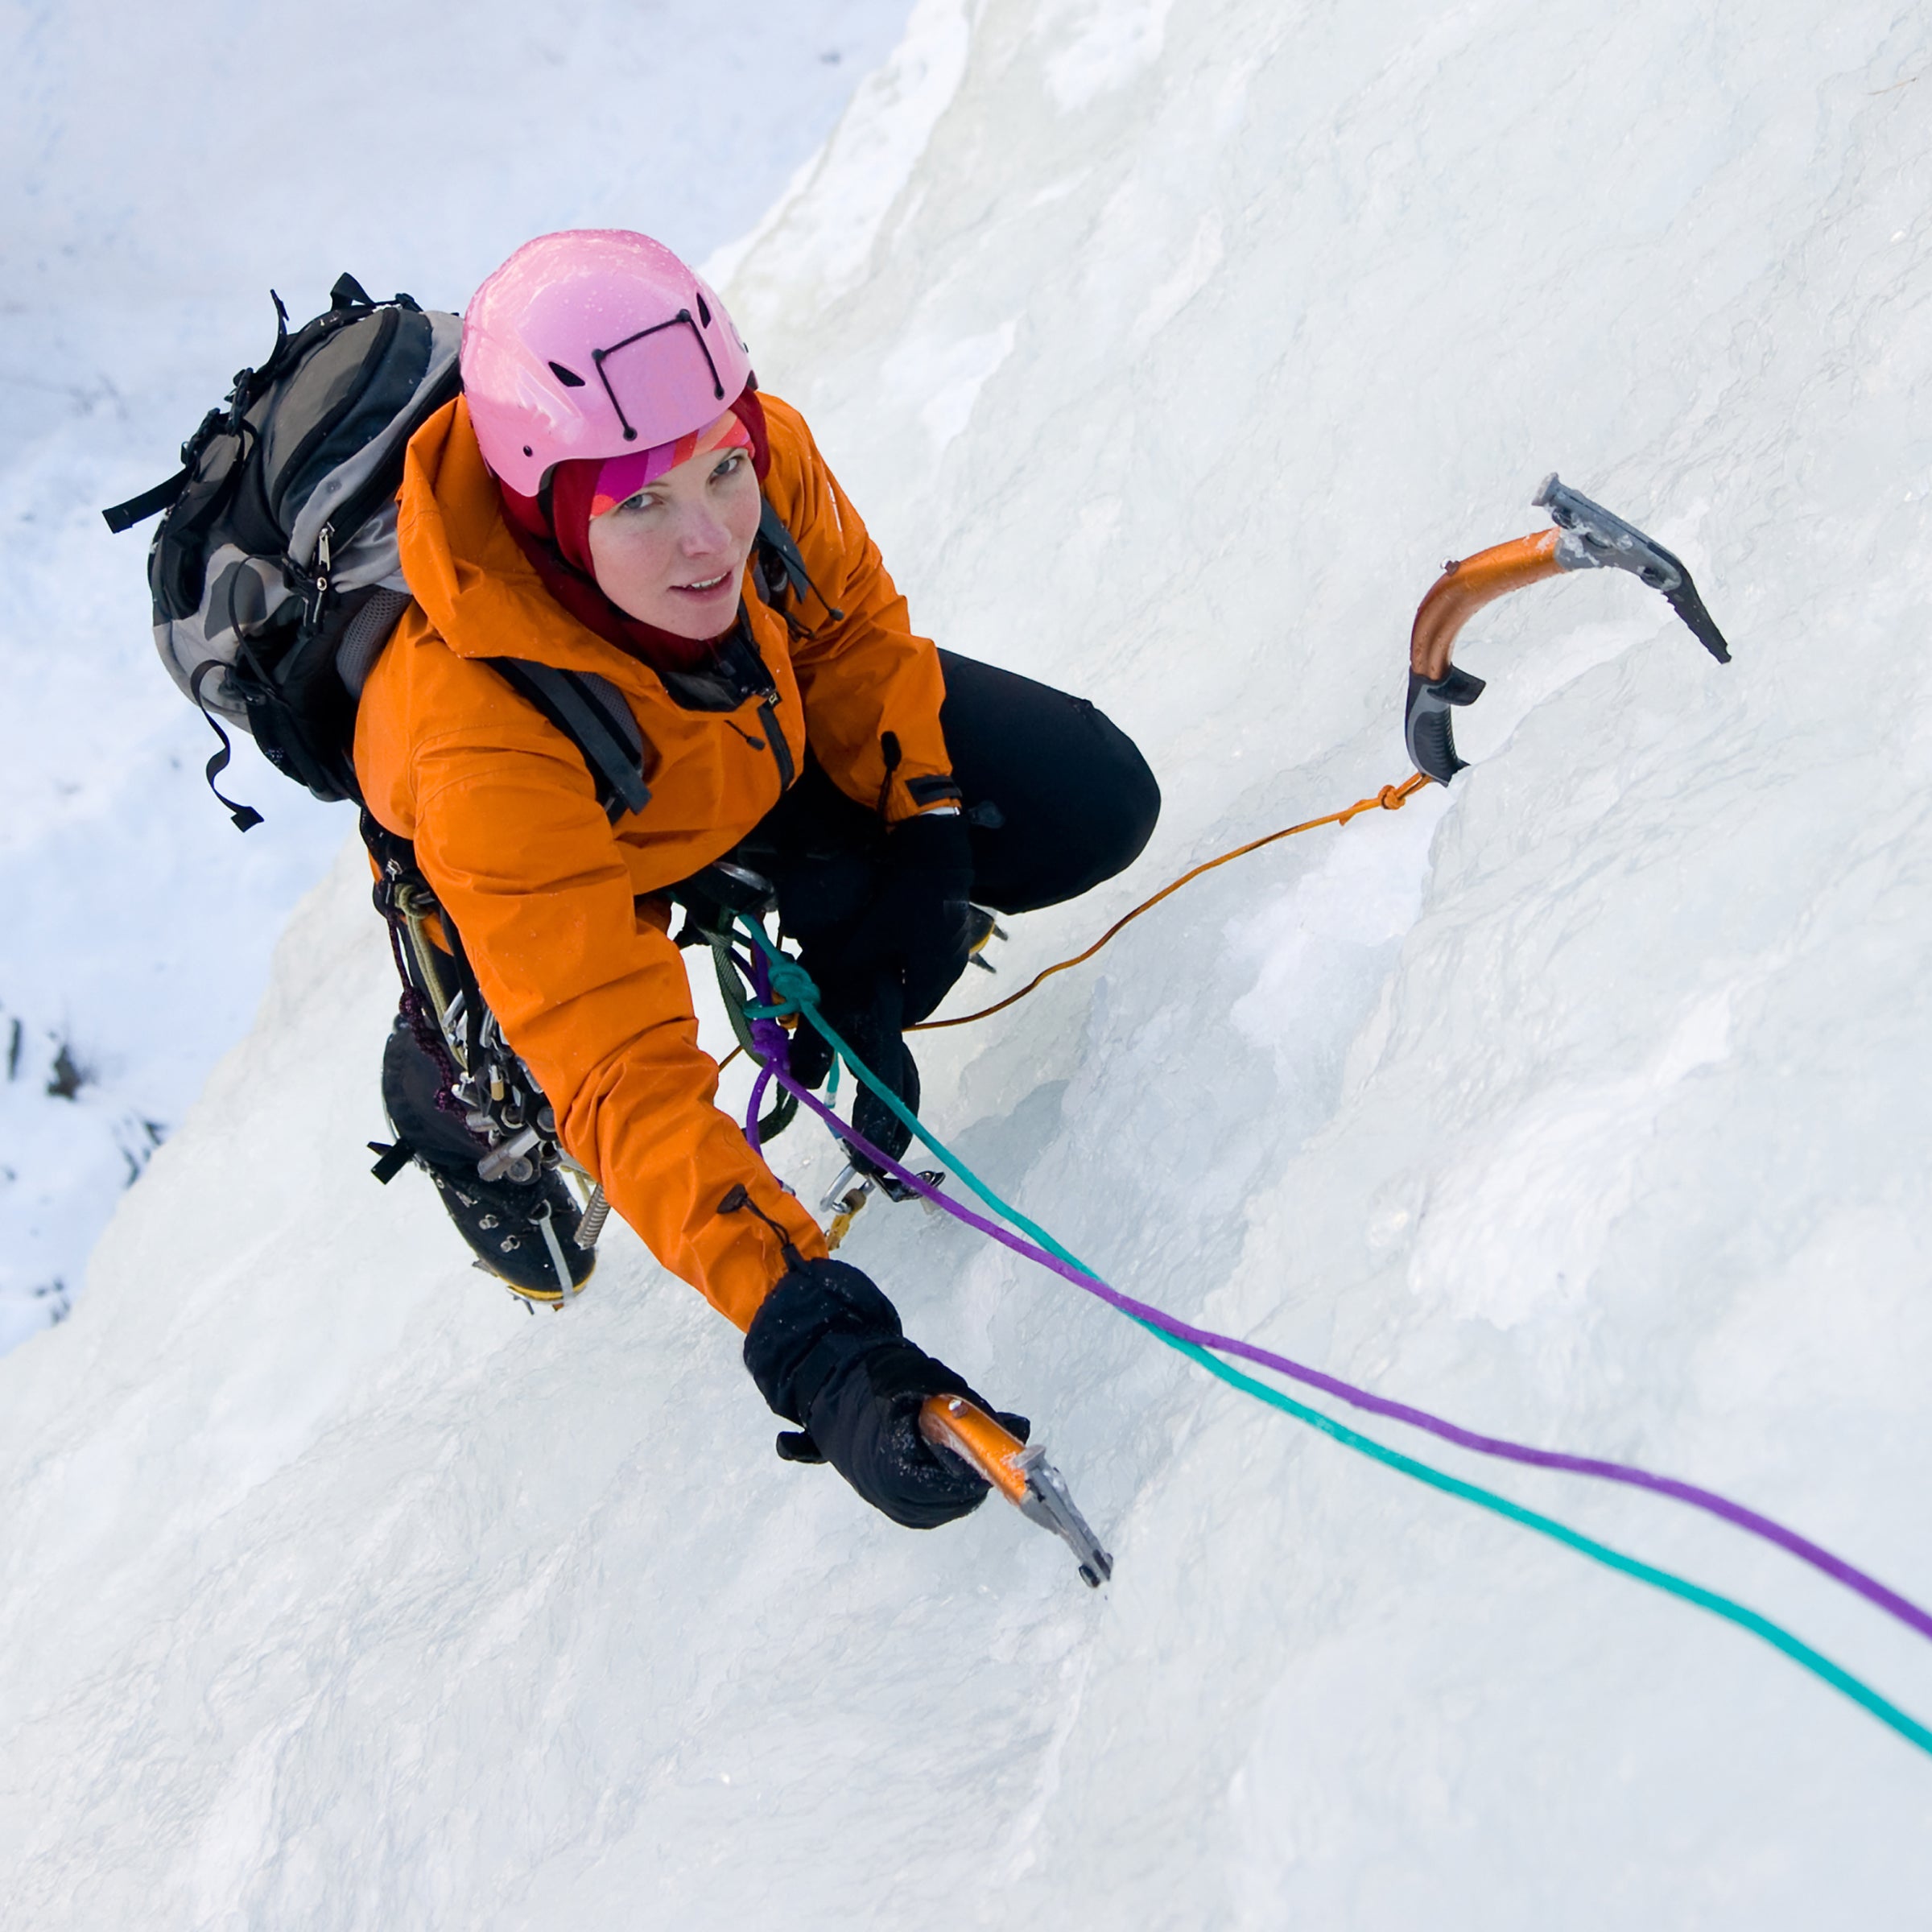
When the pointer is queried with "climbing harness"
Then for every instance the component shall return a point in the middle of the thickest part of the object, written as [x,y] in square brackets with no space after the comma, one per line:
[788,985]
[483,1081]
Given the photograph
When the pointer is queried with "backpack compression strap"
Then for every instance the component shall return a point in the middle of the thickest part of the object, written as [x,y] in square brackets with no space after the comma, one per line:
[591,712]
[249,383]
[246,817]
[150,502]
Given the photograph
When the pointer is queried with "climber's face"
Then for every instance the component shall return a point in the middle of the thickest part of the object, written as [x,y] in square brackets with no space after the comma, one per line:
[673,555]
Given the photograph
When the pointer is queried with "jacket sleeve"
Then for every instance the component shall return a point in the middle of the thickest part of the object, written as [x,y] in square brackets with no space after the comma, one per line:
[594,997]
[870,684]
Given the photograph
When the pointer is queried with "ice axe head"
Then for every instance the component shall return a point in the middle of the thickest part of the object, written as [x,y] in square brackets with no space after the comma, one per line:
[1587,537]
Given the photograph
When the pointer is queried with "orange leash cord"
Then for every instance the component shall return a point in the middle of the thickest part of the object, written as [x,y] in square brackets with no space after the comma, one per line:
[1391,798]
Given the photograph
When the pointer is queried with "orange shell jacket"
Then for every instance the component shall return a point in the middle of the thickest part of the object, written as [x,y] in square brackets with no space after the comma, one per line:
[551,899]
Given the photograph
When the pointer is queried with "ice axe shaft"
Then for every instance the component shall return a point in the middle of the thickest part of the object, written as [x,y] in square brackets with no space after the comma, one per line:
[1466,585]
[1021,1473]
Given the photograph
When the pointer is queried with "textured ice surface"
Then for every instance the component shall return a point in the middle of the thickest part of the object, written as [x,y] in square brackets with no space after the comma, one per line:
[162,168]
[1587,1102]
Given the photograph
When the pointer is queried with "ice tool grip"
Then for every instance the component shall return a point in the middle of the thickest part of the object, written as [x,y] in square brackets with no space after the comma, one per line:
[1454,598]
[1020,1471]
[949,1421]
[1587,537]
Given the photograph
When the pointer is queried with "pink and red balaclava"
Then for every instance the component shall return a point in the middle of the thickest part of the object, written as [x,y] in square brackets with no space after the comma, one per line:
[553,528]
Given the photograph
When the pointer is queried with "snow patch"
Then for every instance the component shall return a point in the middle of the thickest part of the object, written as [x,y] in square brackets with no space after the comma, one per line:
[1112,42]
[940,382]
[817,240]
[1518,1218]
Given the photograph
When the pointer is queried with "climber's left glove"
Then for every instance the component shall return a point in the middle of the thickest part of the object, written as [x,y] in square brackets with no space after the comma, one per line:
[827,1353]
[917,928]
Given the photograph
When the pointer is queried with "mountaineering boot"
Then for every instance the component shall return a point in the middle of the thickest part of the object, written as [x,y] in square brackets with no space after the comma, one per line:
[523,1233]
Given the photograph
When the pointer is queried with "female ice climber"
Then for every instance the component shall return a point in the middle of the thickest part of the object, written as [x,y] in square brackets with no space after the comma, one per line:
[592,502]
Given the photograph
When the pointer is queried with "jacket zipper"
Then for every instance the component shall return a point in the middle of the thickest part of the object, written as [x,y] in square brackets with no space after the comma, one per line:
[768,717]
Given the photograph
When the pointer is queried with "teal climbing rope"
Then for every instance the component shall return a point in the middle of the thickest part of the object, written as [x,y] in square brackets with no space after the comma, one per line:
[793,991]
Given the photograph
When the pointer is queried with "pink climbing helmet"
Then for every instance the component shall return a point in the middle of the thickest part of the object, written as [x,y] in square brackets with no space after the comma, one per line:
[593,342]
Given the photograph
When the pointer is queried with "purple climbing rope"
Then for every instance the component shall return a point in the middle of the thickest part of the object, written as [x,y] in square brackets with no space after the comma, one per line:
[772,1043]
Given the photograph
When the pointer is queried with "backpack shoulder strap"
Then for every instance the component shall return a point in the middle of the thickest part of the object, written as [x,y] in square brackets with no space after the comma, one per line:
[778,545]
[590,711]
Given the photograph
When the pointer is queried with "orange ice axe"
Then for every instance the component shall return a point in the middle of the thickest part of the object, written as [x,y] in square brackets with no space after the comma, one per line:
[1587,537]
[1020,1471]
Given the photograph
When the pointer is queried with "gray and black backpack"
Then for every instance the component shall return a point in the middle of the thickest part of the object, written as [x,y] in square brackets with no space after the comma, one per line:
[275,571]
[277,582]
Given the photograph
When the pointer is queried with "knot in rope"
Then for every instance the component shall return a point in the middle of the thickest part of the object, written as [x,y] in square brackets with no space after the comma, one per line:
[1391,798]
[792,990]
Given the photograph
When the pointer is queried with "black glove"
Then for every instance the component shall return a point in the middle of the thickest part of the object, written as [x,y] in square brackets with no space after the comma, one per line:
[917,929]
[827,1352]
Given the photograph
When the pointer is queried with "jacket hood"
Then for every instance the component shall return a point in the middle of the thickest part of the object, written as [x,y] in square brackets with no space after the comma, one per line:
[464,566]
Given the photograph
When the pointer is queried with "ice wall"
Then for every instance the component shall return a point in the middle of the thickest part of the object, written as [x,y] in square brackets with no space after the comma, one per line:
[1586,1102]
